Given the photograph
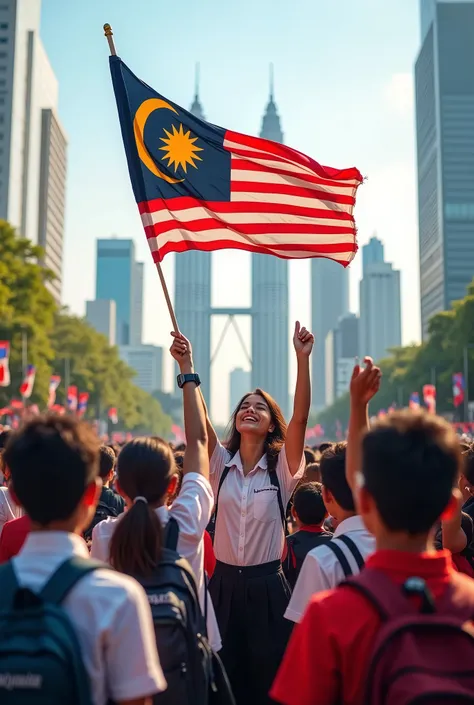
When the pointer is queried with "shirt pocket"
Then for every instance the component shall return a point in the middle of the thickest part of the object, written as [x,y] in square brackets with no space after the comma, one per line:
[264,505]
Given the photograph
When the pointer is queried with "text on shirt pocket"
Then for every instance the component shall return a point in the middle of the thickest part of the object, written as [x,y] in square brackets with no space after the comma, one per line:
[264,503]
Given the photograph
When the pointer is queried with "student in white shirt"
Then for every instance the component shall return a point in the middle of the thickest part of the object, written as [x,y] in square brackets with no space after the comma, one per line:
[146,477]
[253,478]
[54,464]
[329,564]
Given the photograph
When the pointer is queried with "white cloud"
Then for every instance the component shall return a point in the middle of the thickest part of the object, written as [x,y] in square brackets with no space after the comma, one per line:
[399,94]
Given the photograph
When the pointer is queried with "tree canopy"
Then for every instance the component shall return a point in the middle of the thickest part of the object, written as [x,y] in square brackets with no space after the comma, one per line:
[58,341]
[409,368]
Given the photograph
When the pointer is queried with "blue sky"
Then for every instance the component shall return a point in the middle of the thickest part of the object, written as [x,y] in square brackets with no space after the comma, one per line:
[344,89]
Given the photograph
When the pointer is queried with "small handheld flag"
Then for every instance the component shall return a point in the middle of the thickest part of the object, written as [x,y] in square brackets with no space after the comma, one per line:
[82,403]
[202,187]
[54,383]
[113,416]
[28,383]
[429,397]
[72,398]
[458,389]
[4,363]
[414,402]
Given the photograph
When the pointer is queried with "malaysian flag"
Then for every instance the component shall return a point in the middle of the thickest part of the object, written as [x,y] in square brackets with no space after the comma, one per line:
[4,366]
[458,389]
[71,400]
[28,383]
[414,402]
[54,382]
[82,403]
[201,187]
[429,397]
[113,416]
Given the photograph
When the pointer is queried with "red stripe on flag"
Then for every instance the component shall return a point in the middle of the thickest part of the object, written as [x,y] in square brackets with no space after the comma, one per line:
[248,228]
[248,165]
[299,191]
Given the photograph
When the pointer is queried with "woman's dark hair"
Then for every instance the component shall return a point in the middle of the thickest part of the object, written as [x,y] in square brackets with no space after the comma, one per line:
[274,440]
[145,467]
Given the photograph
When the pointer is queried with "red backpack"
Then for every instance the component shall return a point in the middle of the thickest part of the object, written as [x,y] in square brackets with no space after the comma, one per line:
[423,653]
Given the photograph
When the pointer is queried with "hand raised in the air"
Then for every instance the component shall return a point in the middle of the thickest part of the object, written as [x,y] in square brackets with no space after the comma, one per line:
[365,383]
[303,340]
[181,350]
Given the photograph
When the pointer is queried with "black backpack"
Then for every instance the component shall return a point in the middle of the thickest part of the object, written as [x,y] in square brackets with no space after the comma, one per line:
[193,672]
[40,654]
[338,551]
[102,511]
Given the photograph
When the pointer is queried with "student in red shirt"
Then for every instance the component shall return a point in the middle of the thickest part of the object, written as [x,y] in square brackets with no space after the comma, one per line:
[404,473]
[13,537]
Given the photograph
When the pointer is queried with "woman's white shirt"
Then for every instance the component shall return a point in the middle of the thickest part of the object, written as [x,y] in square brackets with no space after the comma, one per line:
[249,529]
[8,508]
[192,510]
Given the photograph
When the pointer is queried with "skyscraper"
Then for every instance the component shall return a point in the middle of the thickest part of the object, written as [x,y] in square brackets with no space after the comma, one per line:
[372,252]
[329,301]
[380,310]
[192,296]
[101,314]
[444,81]
[270,299]
[116,281]
[32,140]
[136,322]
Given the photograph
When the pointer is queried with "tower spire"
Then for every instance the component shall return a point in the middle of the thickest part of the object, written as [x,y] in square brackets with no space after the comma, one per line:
[271,126]
[272,84]
[196,107]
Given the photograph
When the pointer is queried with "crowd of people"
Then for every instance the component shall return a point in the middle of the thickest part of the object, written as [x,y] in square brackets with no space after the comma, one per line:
[299,576]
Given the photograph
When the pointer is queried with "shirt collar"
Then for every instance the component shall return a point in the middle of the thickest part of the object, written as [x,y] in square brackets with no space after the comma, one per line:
[354,523]
[54,542]
[312,529]
[236,461]
[424,565]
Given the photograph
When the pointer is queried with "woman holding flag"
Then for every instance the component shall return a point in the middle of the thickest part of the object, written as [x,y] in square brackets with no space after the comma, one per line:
[253,477]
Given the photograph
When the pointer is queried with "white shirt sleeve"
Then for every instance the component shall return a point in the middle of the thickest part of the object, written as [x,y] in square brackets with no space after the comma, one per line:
[132,662]
[100,545]
[219,458]
[192,510]
[288,481]
[312,579]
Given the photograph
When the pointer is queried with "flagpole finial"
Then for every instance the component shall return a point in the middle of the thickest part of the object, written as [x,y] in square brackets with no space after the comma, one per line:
[272,83]
[110,38]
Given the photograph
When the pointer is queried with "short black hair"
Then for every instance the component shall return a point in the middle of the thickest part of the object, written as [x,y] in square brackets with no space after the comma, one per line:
[52,460]
[333,475]
[4,437]
[308,503]
[468,459]
[107,460]
[309,456]
[312,473]
[324,446]
[410,462]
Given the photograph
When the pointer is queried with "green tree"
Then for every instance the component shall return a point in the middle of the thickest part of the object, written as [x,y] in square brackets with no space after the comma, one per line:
[26,306]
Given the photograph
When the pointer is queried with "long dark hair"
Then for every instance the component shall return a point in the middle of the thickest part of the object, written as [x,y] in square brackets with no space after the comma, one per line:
[145,467]
[274,440]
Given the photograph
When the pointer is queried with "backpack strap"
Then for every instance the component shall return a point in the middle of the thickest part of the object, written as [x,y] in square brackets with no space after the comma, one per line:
[458,599]
[9,583]
[225,472]
[339,553]
[66,576]
[356,554]
[172,534]
[276,483]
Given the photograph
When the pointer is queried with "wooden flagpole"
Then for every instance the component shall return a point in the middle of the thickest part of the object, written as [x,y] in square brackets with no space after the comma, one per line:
[110,39]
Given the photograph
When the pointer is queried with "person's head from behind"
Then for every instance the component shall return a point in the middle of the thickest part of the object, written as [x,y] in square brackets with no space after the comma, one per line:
[179,467]
[324,446]
[411,464]
[259,417]
[145,477]
[309,456]
[106,464]
[54,462]
[308,505]
[337,494]
[312,473]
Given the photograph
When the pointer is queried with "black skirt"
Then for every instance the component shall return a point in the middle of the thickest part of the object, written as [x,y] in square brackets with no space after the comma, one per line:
[250,602]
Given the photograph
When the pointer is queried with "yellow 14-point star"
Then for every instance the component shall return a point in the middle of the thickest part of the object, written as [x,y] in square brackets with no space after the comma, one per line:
[180,148]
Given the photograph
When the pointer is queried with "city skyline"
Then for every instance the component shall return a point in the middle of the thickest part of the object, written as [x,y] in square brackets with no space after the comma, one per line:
[315,115]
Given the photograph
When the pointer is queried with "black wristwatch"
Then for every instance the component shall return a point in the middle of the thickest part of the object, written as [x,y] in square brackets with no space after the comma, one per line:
[184,379]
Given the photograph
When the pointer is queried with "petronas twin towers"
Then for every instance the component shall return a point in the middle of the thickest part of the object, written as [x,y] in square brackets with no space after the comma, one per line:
[269,308]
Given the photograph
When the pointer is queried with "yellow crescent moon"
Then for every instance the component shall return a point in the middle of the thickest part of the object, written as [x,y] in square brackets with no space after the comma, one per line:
[139,122]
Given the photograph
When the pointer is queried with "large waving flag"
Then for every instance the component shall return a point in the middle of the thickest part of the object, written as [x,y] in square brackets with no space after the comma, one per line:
[4,365]
[201,187]
[28,383]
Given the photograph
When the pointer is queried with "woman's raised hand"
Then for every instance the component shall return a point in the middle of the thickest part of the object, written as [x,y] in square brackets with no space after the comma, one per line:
[303,340]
